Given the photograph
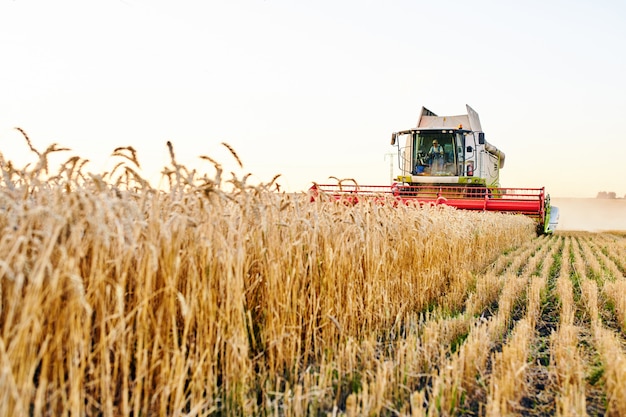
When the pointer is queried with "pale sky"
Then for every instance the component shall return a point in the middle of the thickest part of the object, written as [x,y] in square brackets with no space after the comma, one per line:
[312,89]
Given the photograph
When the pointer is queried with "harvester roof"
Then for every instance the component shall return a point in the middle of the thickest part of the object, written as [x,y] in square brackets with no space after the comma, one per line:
[469,121]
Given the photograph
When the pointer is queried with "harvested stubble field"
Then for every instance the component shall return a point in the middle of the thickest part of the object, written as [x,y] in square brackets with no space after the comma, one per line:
[119,299]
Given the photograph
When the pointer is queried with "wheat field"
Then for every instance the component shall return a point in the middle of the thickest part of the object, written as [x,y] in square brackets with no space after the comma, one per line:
[213,296]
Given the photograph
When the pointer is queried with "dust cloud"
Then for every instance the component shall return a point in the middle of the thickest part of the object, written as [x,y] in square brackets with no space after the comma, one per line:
[591,214]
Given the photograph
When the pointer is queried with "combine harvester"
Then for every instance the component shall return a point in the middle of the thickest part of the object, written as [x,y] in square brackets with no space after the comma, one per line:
[446,160]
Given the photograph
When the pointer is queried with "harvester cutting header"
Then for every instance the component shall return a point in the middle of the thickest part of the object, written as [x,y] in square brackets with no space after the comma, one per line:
[446,160]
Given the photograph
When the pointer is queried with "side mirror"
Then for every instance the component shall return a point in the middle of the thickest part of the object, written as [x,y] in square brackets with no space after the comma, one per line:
[481,138]
[393,138]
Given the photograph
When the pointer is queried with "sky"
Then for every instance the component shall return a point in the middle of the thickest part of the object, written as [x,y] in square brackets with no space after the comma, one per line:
[313,89]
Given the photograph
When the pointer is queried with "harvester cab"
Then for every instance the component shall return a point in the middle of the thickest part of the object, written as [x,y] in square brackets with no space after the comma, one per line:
[447,150]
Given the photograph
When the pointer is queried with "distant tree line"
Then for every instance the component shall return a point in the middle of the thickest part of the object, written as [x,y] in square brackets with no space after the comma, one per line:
[607,195]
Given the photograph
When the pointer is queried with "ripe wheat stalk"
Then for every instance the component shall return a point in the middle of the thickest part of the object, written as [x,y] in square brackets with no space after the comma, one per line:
[225,297]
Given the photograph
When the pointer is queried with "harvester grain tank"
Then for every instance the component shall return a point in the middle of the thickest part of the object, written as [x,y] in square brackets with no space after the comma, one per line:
[447,160]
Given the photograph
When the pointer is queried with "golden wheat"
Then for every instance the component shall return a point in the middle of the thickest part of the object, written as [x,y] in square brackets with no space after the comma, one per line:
[213,297]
